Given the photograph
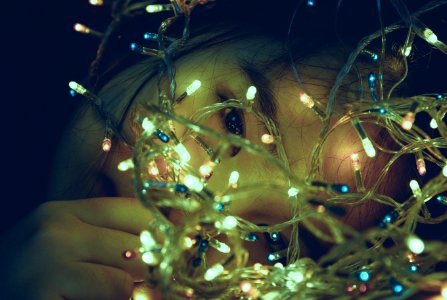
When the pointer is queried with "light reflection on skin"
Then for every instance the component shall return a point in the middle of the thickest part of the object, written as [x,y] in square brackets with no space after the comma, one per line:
[300,128]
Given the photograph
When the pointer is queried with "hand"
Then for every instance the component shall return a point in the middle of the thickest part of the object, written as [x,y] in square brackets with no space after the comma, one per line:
[73,250]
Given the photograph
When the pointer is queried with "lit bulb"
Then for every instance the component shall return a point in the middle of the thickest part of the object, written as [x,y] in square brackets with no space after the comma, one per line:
[251,93]
[420,164]
[295,276]
[414,185]
[182,152]
[444,292]
[267,139]
[430,36]
[213,272]
[77,87]
[153,169]
[229,223]
[193,87]
[433,124]
[234,177]
[193,183]
[147,239]
[355,161]
[444,170]
[188,243]
[310,2]
[96,2]
[125,165]
[150,259]
[408,121]
[148,126]
[415,244]
[307,100]
[369,148]
[245,286]
[293,191]
[81,28]
[221,247]
[207,169]
[106,144]
[155,8]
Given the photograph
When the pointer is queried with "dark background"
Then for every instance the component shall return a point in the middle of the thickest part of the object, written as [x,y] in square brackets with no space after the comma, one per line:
[40,54]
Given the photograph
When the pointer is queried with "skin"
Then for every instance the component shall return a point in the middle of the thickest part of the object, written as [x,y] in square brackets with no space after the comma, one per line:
[72,249]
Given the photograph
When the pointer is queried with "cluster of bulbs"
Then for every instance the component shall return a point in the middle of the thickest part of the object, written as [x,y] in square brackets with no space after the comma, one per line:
[387,260]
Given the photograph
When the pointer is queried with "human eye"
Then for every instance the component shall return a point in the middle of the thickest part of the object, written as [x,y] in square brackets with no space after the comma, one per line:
[234,123]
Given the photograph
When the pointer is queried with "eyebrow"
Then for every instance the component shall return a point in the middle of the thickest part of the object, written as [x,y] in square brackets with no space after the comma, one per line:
[267,103]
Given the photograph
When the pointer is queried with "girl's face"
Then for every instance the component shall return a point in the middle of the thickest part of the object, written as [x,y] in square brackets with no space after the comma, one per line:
[225,74]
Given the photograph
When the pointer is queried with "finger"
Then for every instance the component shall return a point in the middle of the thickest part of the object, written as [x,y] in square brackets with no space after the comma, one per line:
[92,281]
[124,214]
[105,246]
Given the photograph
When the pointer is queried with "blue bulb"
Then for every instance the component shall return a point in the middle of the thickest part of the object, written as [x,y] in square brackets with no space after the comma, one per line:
[271,257]
[372,77]
[203,246]
[375,57]
[275,236]
[133,46]
[439,97]
[387,219]
[72,93]
[162,136]
[442,199]
[364,276]
[252,237]
[180,188]
[310,2]
[382,111]
[398,289]
[344,189]
[196,262]
[414,268]
[219,207]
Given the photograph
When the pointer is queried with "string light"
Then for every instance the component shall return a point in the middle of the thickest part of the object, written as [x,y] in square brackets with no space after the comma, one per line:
[420,164]
[290,280]
[96,2]
[433,124]
[79,89]
[355,160]
[366,142]
[106,144]
[81,28]
[267,139]
[310,2]
[415,244]
[156,8]
[414,185]
[190,90]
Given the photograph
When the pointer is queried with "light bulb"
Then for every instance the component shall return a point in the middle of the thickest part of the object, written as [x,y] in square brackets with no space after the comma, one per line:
[293,191]
[444,170]
[193,183]
[414,185]
[415,244]
[420,164]
[77,87]
[155,8]
[148,126]
[96,2]
[193,87]
[408,121]
[369,148]
[307,100]
[430,36]
[81,28]
[125,165]
[106,144]
[229,223]
[267,139]
[182,153]
[355,161]
[433,124]
[234,177]
[213,272]
[251,93]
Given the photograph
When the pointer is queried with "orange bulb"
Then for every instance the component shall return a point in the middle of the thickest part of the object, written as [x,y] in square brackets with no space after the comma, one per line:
[96,2]
[307,100]
[81,28]
[408,121]
[267,139]
[355,161]
[106,145]
[420,164]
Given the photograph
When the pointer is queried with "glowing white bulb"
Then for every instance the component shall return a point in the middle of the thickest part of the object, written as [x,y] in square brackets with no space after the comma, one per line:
[295,276]
[433,124]
[407,51]
[229,223]
[234,177]
[279,265]
[77,87]
[415,244]
[213,272]
[222,247]
[293,191]
[430,36]
[81,28]
[153,169]
[193,87]
[150,259]
[125,165]
[444,292]
[444,170]
[245,286]
[182,152]
[155,8]
[188,243]
[138,295]
[307,100]
[267,139]
[193,183]
[414,186]
[148,125]
[251,93]
[147,239]
[368,146]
